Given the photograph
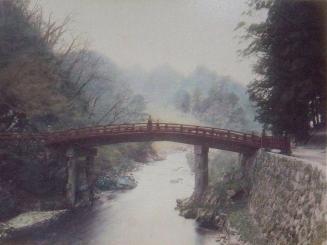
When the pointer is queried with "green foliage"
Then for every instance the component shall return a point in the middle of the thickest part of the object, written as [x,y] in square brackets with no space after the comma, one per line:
[47,84]
[222,163]
[214,100]
[321,233]
[290,89]
[60,87]
[241,220]
[220,108]
[122,157]
[30,74]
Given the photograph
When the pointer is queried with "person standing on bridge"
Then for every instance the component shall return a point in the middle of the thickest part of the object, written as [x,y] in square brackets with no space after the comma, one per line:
[158,125]
[149,123]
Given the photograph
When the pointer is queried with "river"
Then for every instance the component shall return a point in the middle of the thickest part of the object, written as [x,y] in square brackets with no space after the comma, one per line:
[145,215]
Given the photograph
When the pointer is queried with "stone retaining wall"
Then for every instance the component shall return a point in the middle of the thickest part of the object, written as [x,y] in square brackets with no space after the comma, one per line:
[288,199]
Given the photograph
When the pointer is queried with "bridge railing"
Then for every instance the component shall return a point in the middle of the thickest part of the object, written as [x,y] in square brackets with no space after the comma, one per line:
[155,128]
[172,128]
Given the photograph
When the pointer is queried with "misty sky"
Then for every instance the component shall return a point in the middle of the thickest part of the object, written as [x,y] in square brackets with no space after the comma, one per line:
[183,34]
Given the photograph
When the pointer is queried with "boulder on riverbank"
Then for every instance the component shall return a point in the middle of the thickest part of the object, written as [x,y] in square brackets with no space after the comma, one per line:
[29,222]
[210,210]
[108,182]
[206,212]
[125,182]
[219,211]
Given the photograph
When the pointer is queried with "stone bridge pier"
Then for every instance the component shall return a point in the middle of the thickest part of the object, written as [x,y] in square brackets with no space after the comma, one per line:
[201,170]
[80,176]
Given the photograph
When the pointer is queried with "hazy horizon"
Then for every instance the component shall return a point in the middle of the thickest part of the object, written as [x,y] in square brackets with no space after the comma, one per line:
[149,34]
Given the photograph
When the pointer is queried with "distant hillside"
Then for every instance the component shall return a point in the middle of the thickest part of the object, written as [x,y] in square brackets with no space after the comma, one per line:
[161,84]
[164,89]
[205,79]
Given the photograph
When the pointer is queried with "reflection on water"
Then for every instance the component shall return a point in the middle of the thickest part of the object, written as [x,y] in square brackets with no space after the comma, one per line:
[144,215]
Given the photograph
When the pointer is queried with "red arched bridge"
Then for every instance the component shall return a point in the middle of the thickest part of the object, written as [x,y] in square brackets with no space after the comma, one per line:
[190,134]
[202,138]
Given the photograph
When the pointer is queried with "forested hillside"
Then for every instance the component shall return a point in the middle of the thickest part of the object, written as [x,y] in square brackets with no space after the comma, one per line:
[215,100]
[48,83]
[202,96]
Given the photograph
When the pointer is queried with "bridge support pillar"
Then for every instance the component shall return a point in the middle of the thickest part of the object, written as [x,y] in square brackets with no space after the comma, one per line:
[83,190]
[71,177]
[90,174]
[201,170]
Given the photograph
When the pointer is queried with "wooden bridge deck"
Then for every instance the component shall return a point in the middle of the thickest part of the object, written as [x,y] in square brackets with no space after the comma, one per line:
[190,134]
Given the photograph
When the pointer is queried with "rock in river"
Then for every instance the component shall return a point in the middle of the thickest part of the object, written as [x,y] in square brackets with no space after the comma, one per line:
[115,183]
[126,182]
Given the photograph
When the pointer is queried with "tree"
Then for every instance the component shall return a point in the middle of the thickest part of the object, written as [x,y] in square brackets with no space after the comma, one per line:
[196,100]
[33,80]
[183,101]
[54,82]
[290,88]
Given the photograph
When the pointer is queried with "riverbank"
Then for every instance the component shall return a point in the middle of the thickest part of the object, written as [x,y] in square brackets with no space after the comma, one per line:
[121,177]
[34,221]
[223,208]
[18,204]
[274,199]
[144,215]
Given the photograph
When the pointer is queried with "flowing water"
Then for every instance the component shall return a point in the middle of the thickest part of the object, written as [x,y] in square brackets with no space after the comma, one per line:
[145,215]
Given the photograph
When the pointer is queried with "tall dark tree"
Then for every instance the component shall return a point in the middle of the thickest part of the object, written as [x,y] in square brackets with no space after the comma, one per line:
[290,89]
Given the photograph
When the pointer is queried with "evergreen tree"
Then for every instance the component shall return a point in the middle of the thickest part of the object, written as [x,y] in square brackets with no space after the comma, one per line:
[290,88]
